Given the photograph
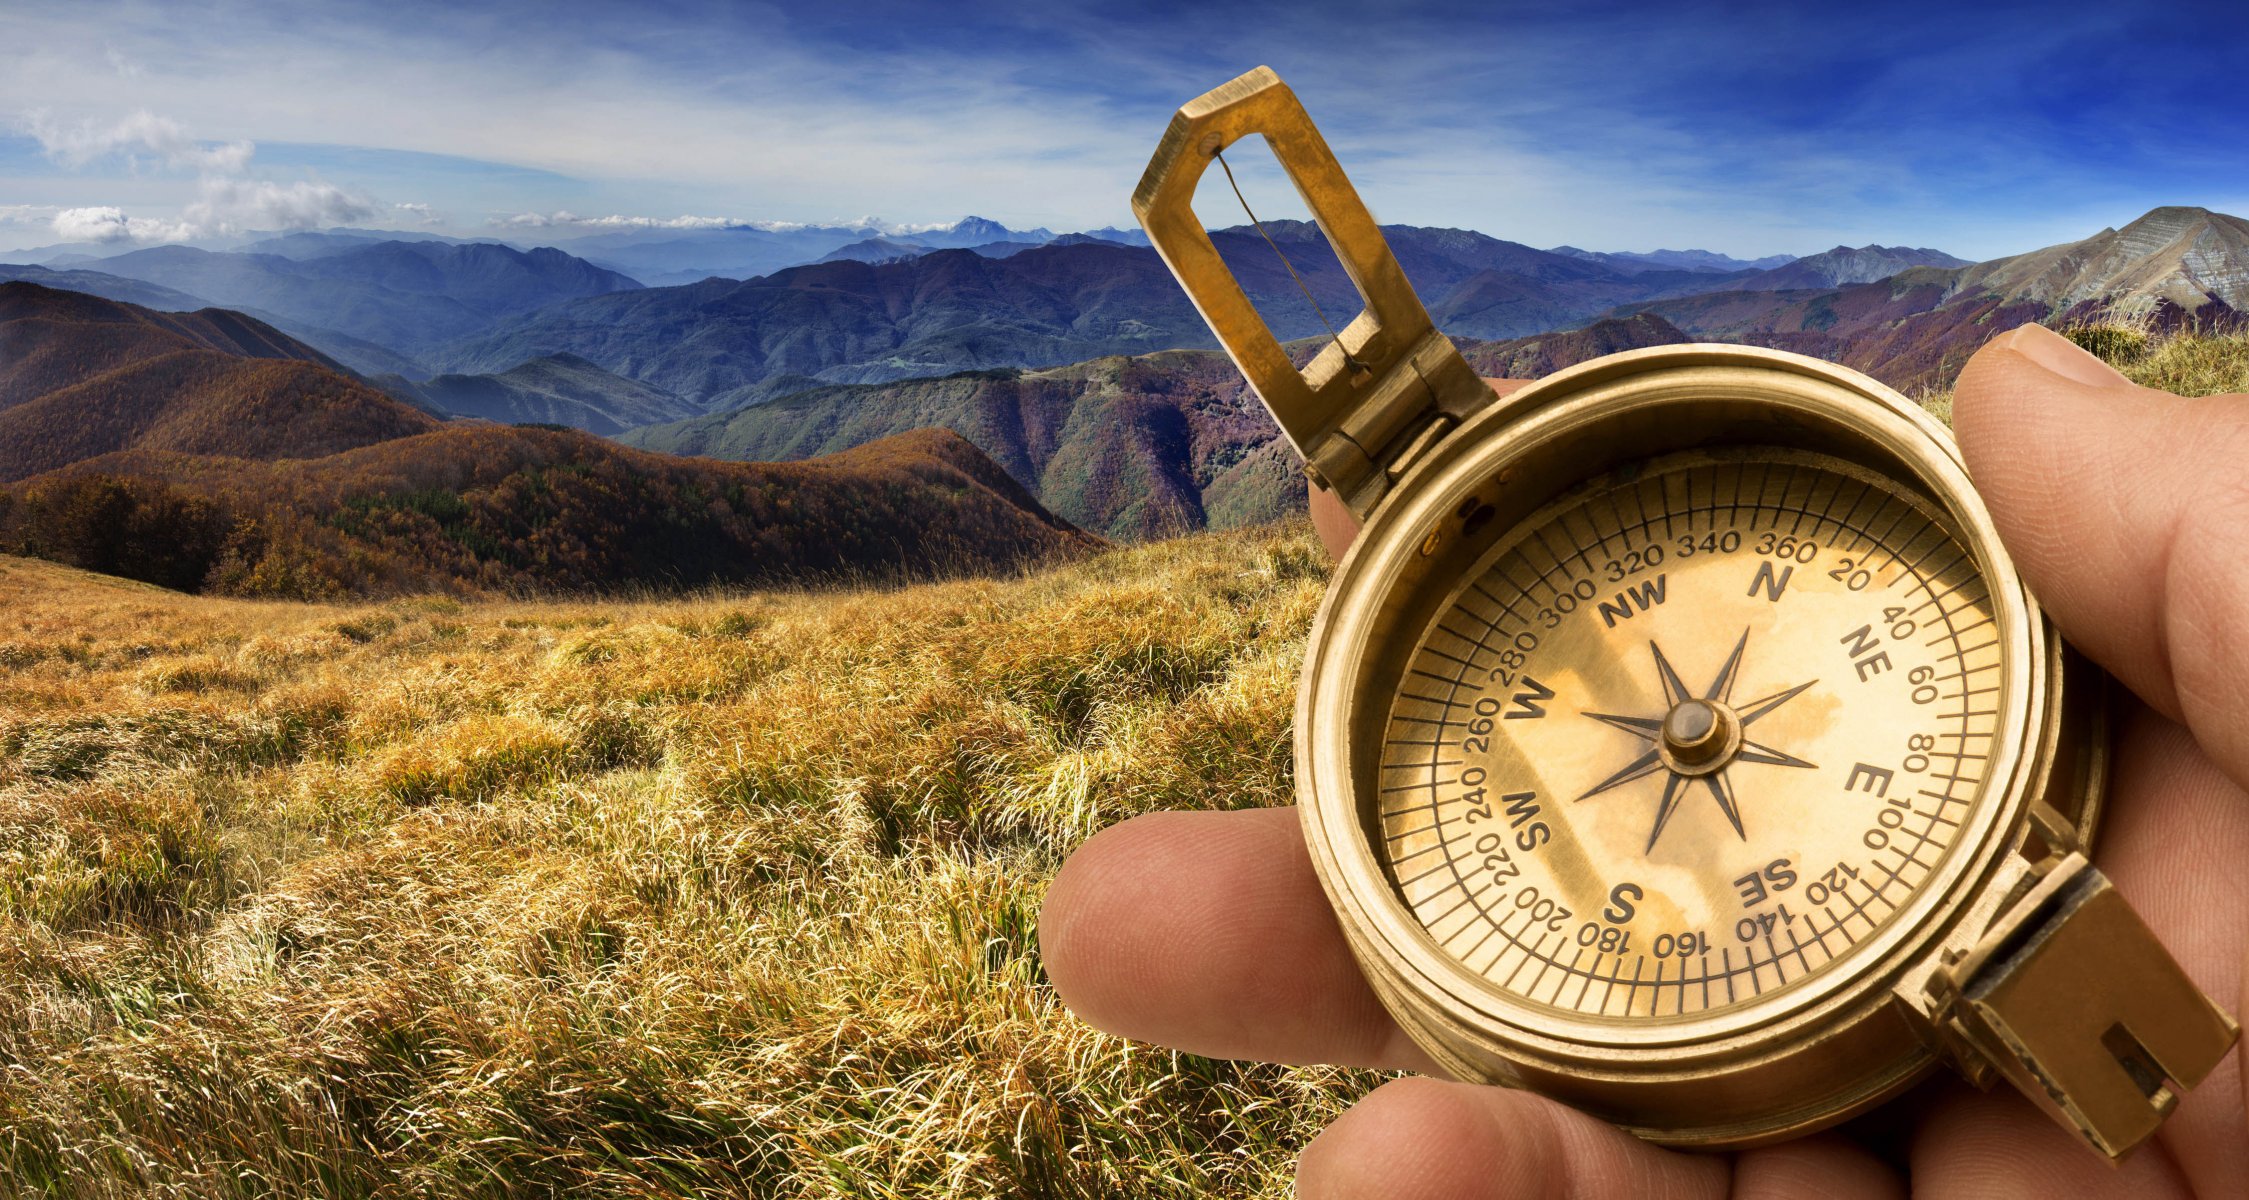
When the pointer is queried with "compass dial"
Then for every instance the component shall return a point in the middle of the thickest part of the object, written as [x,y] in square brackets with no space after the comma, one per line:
[1690,734]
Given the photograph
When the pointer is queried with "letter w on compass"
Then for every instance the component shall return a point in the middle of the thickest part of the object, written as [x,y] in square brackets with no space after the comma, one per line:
[1698,738]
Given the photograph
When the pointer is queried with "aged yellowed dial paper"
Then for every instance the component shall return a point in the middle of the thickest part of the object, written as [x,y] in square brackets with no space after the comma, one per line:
[1594,804]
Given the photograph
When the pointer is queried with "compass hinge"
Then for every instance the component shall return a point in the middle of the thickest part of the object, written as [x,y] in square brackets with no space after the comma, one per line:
[2072,997]
[1408,405]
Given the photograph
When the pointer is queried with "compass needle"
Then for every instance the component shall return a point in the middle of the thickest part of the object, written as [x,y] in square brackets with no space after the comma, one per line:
[1756,709]
[1512,558]
[1671,789]
[1639,768]
[1673,690]
[1646,728]
[1723,792]
[1752,752]
[1723,688]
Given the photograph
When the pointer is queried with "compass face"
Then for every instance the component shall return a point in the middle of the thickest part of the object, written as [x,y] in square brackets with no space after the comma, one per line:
[1689,735]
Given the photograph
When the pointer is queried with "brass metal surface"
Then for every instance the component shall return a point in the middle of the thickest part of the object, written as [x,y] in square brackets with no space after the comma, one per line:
[2074,1000]
[1390,375]
[1836,643]
[1677,738]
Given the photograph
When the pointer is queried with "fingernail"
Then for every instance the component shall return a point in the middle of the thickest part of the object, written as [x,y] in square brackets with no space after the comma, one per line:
[2063,357]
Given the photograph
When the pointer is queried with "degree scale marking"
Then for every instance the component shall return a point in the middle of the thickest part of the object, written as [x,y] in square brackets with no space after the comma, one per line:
[1832,506]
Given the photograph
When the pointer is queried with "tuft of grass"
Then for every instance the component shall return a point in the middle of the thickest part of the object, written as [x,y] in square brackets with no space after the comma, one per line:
[2195,364]
[726,895]
[2113,341]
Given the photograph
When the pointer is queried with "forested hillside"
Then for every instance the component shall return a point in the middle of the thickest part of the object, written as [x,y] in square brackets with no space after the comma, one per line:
[82,377]
[488,508]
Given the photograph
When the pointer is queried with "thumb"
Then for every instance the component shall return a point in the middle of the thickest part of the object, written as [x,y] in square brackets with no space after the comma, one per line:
[2127,511]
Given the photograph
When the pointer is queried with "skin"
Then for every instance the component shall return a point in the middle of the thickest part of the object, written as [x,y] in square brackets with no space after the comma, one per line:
[2127,510]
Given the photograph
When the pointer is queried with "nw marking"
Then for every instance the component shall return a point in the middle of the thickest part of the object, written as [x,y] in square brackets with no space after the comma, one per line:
[1645,595]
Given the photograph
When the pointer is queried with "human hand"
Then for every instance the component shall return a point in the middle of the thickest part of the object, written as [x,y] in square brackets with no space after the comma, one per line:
[2127,511]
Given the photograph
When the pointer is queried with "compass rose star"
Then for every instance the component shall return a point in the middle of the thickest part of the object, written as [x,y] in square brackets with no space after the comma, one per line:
[1698,739]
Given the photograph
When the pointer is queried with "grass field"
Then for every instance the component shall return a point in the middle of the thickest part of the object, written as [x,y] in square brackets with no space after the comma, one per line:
[724,895]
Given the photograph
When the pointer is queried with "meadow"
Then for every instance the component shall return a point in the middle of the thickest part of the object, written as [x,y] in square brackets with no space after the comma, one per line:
[725,894]
[732,894]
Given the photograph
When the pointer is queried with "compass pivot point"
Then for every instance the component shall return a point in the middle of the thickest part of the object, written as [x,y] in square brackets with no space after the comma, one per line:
[1700,736]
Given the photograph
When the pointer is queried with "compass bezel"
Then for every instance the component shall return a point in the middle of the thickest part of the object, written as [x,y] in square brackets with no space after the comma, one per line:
[1515,458]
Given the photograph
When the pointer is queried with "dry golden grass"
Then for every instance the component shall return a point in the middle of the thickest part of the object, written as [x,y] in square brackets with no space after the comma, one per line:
[2187,362]
[730,895]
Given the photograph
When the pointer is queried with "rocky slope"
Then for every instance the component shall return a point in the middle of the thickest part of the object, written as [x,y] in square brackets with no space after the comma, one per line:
[1916,328]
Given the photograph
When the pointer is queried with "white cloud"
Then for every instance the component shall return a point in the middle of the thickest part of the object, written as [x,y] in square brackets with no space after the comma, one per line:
[227,201]
[420,213]
[109,224]
[566,219]
[233,205]
[143,133]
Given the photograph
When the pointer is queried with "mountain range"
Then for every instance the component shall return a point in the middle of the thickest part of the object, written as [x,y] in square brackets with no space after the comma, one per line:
[210,451]
[668,257]
[1158,443]
[406,296]
[1132,447]
[1846,264]
[723,343]
[383,305]
[1675,260]
[1073,362]
[1914,329]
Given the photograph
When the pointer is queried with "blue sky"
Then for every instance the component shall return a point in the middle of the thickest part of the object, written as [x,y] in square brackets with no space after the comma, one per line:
[1746,128]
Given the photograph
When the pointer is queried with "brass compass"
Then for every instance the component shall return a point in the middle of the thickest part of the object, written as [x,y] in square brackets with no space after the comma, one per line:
[1677,739]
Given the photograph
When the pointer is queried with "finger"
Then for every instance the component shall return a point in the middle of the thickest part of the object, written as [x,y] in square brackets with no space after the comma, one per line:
[2174,841]
[1208,932]
[1333,520]
[2127,512]
[1426,1139]
[1825,1165]
[1993,1146]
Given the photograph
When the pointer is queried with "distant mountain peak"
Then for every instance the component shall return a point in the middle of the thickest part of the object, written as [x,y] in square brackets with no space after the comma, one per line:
[2177,216]
[1847,265]
[1673,260]
[2175,259]
[970,232]
[2158,227]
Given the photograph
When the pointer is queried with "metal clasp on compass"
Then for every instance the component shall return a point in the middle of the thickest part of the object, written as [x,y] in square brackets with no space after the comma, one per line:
[2072,998]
